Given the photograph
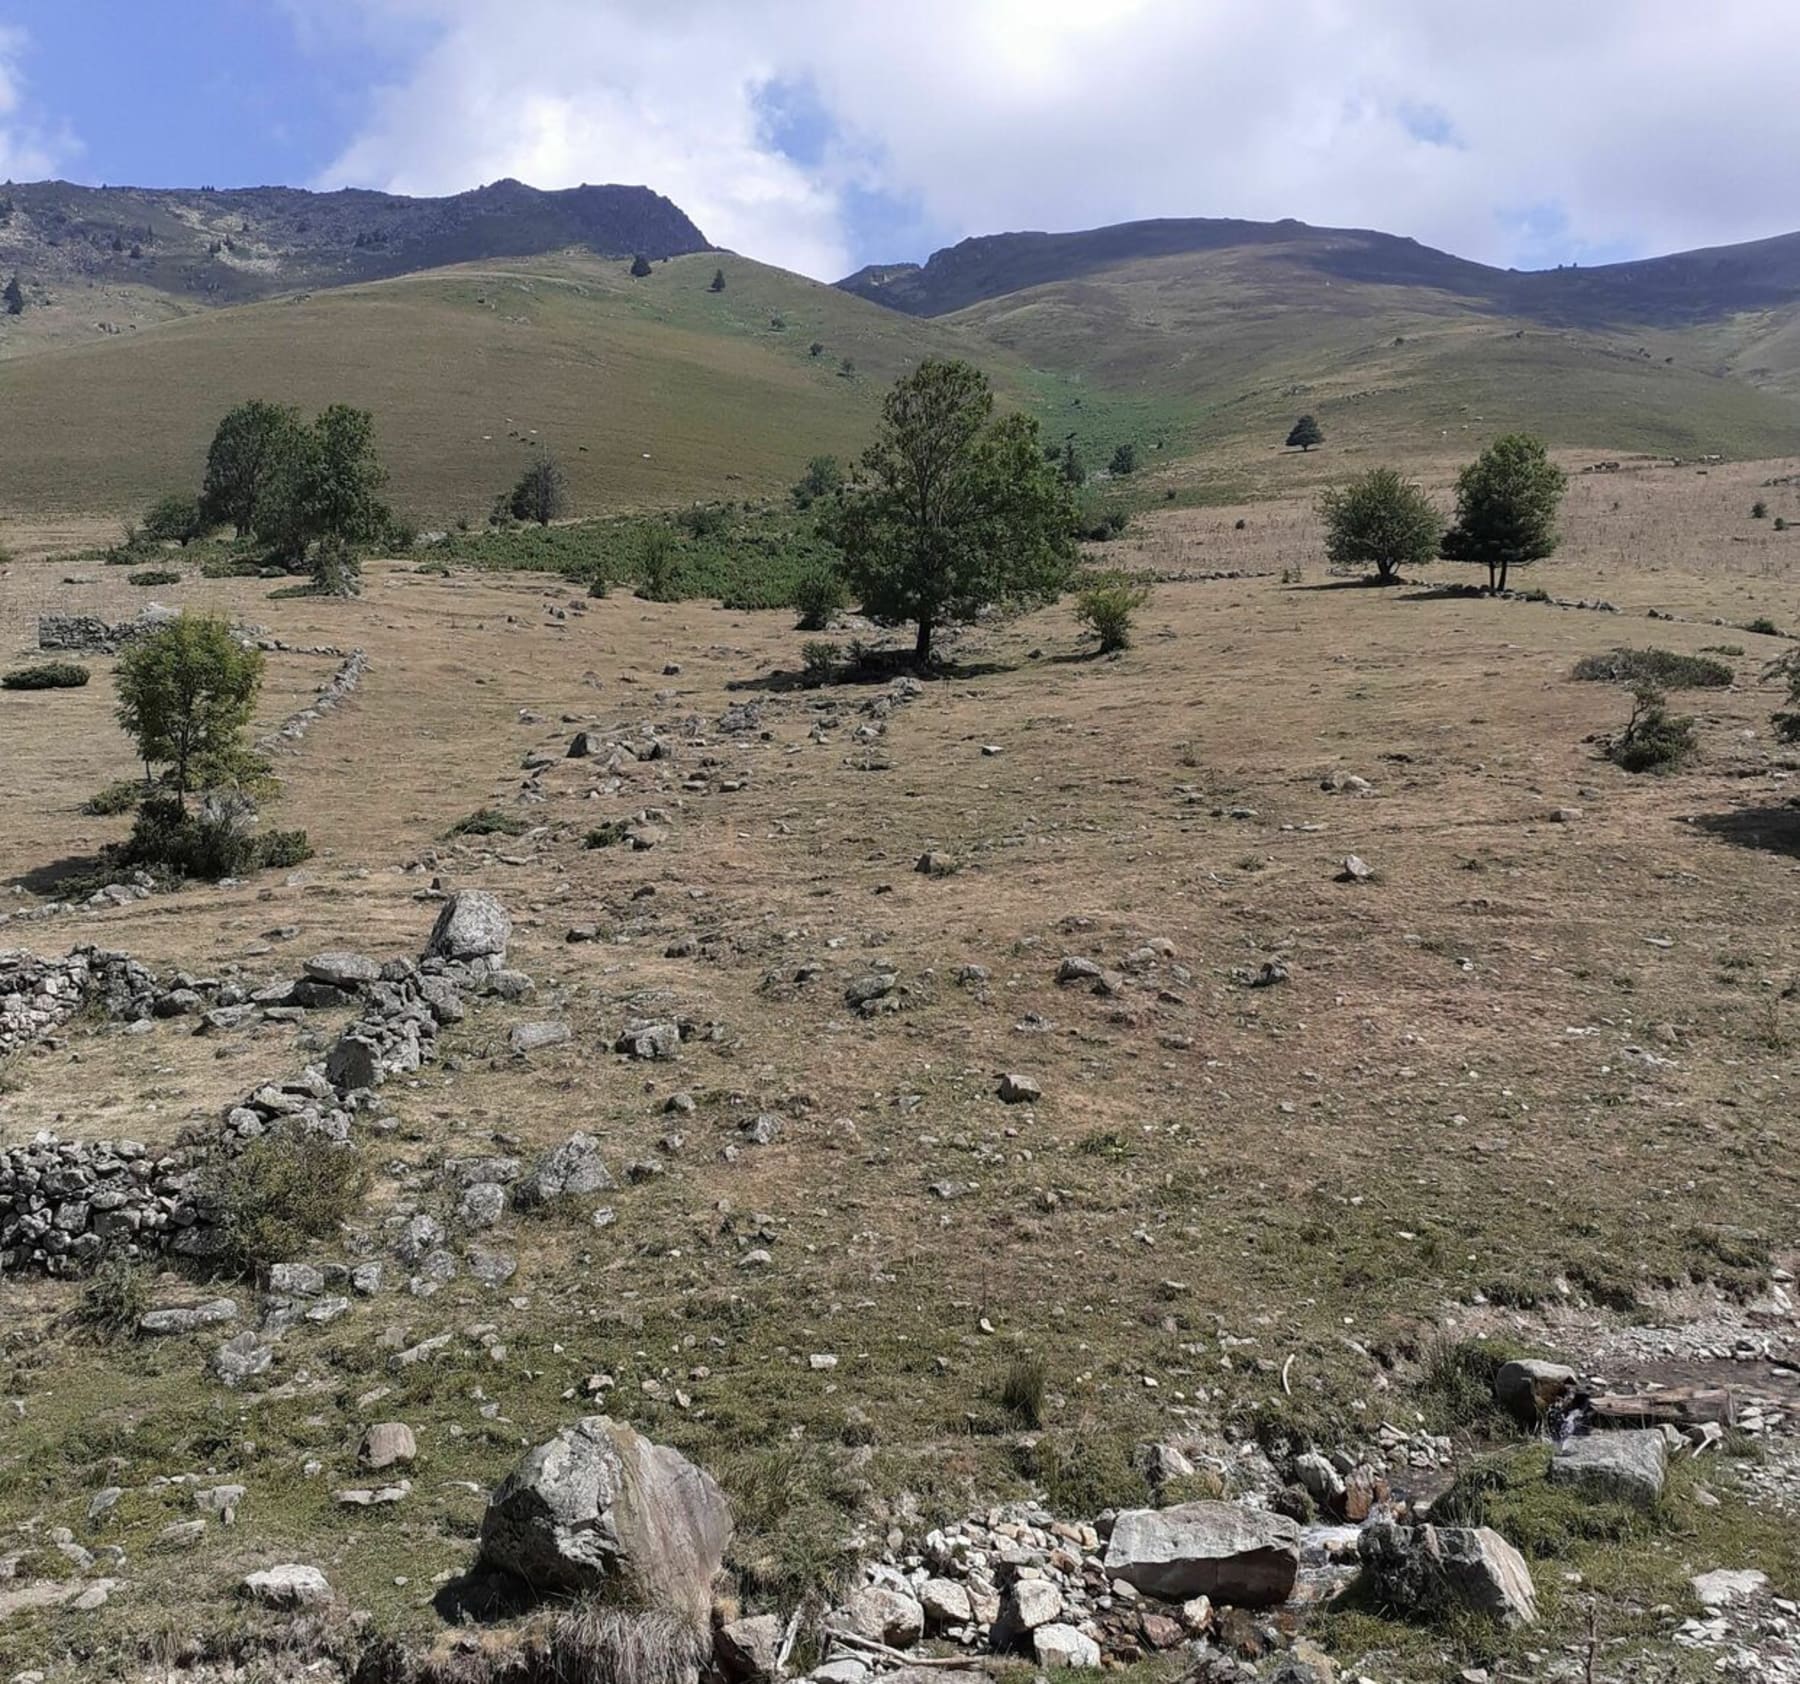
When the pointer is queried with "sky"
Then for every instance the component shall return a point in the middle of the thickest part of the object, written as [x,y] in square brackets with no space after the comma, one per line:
[822,136]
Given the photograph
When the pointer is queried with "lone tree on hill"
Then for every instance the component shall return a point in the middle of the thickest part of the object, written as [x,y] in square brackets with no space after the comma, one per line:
[953,511]
[718,281]
[14,297]
[1380,520]
[1305,434]
[1124,460]
[247,450]
[542,493]
[1506,503]
[186,691]
[640,266]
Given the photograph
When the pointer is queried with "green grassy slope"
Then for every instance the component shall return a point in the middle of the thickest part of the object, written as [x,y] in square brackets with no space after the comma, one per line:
[1224,348]
[653,392]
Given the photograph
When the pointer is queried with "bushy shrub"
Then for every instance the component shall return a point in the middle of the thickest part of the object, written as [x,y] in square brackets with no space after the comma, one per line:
[1022,1392]
[335,567]
[1654,740]
[47,675]
[153,576]
[820,661]
[819,597]
[1124,460]
[1663,668]
[269,1200]
[489,821]
[606,835]
[704,520]
[173,519]
[824,475]
[115,798]
[1111,524]
[209,843]
[1106,606]
[1759,510]
[115,1299]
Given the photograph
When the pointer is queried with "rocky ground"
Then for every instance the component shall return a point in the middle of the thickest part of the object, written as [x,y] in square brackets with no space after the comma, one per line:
[983,1125]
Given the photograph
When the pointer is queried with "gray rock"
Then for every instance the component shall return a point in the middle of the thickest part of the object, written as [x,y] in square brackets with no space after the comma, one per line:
[946,1603]
[1429,1569]
[533,1037]
[190,1318]
[1233,1554]
[1019,1090]
[289,1585]
[1723,1587]
[1527,1388]
[883,1615]
[482,1204]
[472,925]
[1028,1604]
[845,1670]
[1620,1467]
[385,1444]
[418,1238]
[651,1041]
[601,1506]
[243,1358]
[570,1170]
[746,1649]
[342,970]
[1057,1645]
[492,1268]
[1354,869]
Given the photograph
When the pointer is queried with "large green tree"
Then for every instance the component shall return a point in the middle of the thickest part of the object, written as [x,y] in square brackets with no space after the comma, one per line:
[1305,433]
[1382,521]
[186,691]
[326,485]
[247,452]
[953,510]
[1506,505]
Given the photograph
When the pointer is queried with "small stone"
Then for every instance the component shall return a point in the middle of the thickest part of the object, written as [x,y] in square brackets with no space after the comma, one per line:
[1019,1090]
[386,1443]
[289,1585]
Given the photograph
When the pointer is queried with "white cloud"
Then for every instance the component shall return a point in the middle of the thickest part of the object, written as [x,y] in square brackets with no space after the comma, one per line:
[26,153]
[1649,125]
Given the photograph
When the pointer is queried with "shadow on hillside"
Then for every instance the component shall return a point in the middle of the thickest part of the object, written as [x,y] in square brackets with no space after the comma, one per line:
[47,880]
[1769,830]
[482,1596]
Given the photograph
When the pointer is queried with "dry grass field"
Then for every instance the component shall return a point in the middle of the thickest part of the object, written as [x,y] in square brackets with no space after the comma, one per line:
[1531,1082]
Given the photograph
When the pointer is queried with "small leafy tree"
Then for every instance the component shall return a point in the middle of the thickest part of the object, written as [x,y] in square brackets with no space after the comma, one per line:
[1506,503]
[1759,510]
[326,485]
[542,493]
[1106,606]
[1382,521]
[640,266]
[1654,740]
[954,511]
[186,691]
[1305,433]
[818,596]
[13,296]
[1073,470]
[1124,460]
[718,281]
[823,476]
[657,559]
[174,518]
[248,450]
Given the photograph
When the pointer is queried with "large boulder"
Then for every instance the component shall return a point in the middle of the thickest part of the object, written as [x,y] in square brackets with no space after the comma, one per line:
[1527,1387]
[746,1649]
[570,1170]
[602,1509]
[1242,1556]
[1621,1467]
[1433,1569]
[472,925]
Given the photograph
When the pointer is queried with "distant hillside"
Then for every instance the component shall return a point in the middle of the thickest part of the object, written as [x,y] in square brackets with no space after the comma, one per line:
[1679,290]
[653,392]
[118,257]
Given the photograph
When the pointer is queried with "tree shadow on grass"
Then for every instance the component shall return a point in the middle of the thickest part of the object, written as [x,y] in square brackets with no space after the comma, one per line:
[1364,582]
[483,1595]
[59,878]
[1769,830]
[874,674]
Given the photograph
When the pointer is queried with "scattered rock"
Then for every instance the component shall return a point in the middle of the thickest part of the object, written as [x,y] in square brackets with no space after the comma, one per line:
[290,1585]
[385,1444]
[1423,1569]
[1019,1090]
[1230,1553]
[1624,1467]
[1527,1387]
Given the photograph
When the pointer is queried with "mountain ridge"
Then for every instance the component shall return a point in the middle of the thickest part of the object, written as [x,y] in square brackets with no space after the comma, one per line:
[1680,288]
